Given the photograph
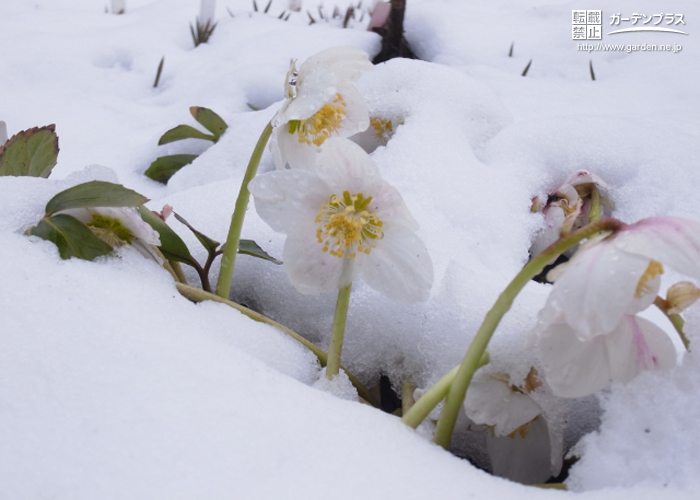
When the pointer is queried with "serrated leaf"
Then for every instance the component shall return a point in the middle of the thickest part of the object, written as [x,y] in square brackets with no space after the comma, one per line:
[72,237]
[209,120]
[249,247]
[171,245]
[32,152]
[209,244]
[163,168]
[184,132]
[95,194]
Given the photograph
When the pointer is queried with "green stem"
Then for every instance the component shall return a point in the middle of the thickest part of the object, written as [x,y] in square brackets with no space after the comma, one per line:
[432,397]
[675,319]
[470,363]
[228,259]
[338,331]
[596,210]
[198,295]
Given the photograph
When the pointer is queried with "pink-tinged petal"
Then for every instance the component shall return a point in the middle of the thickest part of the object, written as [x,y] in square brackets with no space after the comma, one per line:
[283,198]
[568,193]
[525,458]
[344,166]
[572,367]
[493,402]
[399,266]
[597,288]
[670,240]
[347,63]
[310,270]
[637,345]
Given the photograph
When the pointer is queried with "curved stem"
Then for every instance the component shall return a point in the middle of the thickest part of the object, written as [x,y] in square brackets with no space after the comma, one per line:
[675,319]
[432,397]
[228,260]
[197,295]
[338,331]
[470,363]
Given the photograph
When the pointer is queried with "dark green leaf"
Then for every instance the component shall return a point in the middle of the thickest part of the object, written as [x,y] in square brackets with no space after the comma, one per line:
[32,152]
[184,132]
[165,167]
[205,240]
[94,194]
[209,120]
[171,245]
[72,237]
[249,247]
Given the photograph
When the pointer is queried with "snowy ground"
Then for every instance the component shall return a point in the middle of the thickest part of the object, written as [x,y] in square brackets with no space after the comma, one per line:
[112,385]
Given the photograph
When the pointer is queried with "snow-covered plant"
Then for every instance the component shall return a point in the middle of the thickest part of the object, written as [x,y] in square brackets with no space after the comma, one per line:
[343,221]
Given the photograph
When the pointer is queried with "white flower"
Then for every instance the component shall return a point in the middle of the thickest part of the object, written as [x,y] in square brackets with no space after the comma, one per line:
[322,102]
[119,226]
[344,221]
[588,334]
[520,443]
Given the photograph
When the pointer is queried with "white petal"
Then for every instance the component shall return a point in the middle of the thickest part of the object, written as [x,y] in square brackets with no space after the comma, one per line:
[492,402]
[314,89]
[524,459]
[390,207]
[298,154]
[129,218]
[356,118]
[553,219]
[344,166]
[399,266]
[310,270]
[597,288]
[347,63]
[285,198]
[274,147]
[573,368]
[669,240]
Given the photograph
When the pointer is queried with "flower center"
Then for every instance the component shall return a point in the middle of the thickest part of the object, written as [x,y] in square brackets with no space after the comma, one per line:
[320,126]
[382,128]
[347,225]
[653,270]
[110,230]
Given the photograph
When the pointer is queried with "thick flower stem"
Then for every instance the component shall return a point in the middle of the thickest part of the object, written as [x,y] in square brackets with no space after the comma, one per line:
[198,295]
[596,210]
[470,363]
[338,331]
[228,259]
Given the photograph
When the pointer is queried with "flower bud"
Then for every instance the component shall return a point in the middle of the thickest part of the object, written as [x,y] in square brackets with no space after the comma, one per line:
[681,295]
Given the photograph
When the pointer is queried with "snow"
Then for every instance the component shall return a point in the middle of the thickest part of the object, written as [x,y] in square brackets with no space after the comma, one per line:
[112,385]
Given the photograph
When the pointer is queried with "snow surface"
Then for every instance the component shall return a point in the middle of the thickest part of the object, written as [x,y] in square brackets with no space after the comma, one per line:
[112,385]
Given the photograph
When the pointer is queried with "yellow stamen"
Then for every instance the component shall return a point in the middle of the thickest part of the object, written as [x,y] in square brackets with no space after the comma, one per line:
[382,128]
[347,225]
[320,126]
[653,270]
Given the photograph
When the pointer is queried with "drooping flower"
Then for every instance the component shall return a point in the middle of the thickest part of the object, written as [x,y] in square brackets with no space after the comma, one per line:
[520,442]
[118,227]
[321,102]
[343,220]
[568,208]
[588,334]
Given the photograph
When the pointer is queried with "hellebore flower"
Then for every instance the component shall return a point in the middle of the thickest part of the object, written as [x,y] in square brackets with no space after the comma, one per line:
[588,334]
[321,102]
[343,220]
[119,226]
[568,208]
[520,443]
